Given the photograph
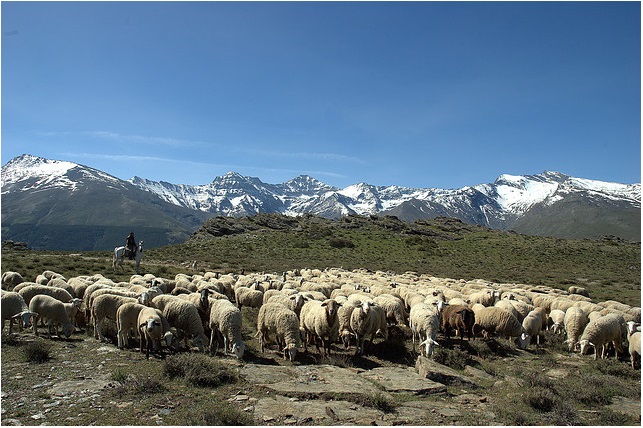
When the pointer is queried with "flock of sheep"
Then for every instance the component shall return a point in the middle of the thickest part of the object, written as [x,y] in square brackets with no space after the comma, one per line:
[308,307]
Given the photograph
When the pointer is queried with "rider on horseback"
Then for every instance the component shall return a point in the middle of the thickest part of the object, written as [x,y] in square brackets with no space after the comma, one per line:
[131,246]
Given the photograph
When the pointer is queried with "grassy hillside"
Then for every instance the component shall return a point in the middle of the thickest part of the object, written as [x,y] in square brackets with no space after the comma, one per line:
[609,269]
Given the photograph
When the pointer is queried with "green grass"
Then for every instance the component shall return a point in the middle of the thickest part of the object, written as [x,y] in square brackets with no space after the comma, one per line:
[441,247]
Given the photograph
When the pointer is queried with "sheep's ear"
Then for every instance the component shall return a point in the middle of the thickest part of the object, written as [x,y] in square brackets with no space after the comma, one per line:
[324,304]
[142,325]
[293,297]
[434,303]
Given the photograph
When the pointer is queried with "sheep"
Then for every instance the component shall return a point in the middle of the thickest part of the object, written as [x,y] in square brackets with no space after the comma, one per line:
[127,320]
[294,302]
[275,318]
[578,290]
[105,307]
[225,320]
[344,320]
[394,308]
[10,280]
[184,316]
[635,348]
[367,319]
[424,321]
[54,311]
[492,320]
[632,327]
[556,321]
[599,333]
[14,308]
[245,296]
[507,305]
[531,326]
[460,318]
[30,291]
[319,320]
[60,283]
[152,327]
[486,298]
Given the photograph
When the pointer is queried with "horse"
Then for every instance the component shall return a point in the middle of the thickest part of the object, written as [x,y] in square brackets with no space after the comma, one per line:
[120,251]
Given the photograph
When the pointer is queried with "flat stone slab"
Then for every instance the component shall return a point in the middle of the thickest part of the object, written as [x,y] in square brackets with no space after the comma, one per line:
[84,386]
[627,406]
[396,379]
[318,379]
[264,374]
[437,372]
[280,409]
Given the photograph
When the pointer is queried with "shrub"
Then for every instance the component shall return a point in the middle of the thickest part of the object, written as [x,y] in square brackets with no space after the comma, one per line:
[37,352]
[222,414]
[341,243]
[197,370]
[541,399]
[380,402]
[454,358]
[137,384]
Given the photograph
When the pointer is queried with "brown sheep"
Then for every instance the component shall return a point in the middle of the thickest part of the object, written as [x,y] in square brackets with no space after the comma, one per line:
[460,318]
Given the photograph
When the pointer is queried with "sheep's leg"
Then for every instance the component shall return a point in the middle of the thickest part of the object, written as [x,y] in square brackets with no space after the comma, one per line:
[212,334]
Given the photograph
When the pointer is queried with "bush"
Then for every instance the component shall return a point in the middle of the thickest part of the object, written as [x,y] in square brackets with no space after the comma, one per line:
[380,402]
[454,358]
[37,352]
[137,384]
[222,414]
[197,370]
[541,399]
[341,243]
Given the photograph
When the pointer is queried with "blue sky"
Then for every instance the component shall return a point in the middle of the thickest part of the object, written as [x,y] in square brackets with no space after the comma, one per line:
[419,94]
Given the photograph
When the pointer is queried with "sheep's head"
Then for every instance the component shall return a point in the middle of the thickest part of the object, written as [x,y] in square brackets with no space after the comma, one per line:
[523,340]
[290,352]
[331,307]
[585,345]
[25,317]
[439,305]
[346,338]
[200,341]
[68,329]
[168,336]
[144,298]
[429,344]
[238,349]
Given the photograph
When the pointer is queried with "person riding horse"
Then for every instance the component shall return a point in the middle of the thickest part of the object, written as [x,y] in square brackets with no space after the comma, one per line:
[131,246]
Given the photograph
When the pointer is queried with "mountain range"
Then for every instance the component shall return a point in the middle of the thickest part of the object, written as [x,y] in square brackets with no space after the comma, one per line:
[62,205]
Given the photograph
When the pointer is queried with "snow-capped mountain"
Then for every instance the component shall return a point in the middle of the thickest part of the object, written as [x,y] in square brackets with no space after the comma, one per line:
[536,204]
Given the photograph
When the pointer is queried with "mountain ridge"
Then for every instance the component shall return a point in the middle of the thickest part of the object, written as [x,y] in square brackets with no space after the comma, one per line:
[534,204]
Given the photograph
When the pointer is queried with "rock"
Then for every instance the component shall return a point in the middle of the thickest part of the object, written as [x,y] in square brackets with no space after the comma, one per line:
[395,379]
[281,407]
[627,406]
[70,387]
[557,373]
[38,416]
[477,373]
[13,422]
[436,372]
[320,380]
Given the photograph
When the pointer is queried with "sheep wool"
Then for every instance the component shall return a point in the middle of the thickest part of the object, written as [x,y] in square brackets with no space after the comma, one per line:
[184,316]
[127,320]
[54,311]
[225,320]
[14,308]
[492,320]
[319,321]
[30,291]
[600,332]
[275,319]
[635,349]
[153,327]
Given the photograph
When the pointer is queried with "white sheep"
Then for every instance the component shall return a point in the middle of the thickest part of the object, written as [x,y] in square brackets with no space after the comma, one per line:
[556,321]
[492,320]
[531,326]
[152,327]
[368,319]
[394,308]
[127,320]
[275,319]
[633,327]
[30,291]
[105,307]
[635,348]
[11,279]
[54,311]
[319,321]
[184,316]
[600,332]
[225,321]
[344,320]
[245,296]
[575,322]
[15,308]
[486,298]
[424,321]
[294,302]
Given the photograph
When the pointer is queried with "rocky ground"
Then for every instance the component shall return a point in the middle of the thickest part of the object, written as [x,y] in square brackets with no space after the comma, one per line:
[78,386]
